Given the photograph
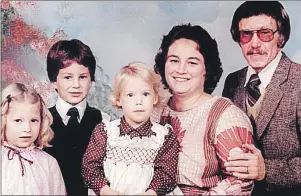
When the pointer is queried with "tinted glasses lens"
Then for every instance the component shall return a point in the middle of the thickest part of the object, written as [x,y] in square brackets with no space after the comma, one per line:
[265,35]
[245,36]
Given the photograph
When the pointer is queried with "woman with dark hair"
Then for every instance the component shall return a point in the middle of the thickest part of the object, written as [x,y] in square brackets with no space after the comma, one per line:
[208,128]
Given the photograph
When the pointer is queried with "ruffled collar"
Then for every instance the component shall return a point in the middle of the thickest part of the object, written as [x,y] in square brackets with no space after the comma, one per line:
[29,148]
[143,130]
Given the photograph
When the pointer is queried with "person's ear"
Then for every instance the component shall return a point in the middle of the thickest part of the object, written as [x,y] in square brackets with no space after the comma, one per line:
[280,41]
[91,83]
[155,99]
[119,103]
[54,85]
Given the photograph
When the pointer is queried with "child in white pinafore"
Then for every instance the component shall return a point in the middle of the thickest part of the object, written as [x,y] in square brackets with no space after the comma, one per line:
[132,155]
[26,168]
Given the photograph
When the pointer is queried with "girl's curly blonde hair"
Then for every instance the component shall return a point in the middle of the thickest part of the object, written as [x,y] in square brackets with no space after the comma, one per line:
[17,92]
[138,69]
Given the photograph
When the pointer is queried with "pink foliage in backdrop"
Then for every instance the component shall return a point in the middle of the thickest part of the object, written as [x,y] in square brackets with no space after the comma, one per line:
[22,34]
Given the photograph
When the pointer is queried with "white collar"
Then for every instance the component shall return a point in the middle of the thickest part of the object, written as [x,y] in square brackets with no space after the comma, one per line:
[62,108]
[265,75]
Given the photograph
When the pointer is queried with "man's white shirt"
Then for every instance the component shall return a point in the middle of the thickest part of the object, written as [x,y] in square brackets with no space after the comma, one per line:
[266,74]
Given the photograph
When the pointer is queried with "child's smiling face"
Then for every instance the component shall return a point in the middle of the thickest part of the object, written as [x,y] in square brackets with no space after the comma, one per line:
[73,83]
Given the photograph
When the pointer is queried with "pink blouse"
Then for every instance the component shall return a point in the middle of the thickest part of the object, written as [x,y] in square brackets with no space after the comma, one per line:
[30,171]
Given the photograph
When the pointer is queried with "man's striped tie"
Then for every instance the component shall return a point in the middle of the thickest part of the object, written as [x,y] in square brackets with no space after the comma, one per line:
[253,90]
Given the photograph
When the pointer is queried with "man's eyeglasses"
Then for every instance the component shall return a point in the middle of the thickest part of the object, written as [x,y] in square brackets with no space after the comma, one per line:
[264,35]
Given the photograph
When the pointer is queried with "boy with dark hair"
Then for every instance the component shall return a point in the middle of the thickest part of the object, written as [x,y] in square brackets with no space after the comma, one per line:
[71,68]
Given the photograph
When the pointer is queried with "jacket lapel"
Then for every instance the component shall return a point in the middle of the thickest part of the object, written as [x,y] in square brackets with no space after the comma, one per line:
[273,95]
[240,95]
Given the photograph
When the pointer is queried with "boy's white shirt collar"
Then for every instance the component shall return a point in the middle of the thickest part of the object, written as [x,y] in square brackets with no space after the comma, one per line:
[266,74]
[62,108]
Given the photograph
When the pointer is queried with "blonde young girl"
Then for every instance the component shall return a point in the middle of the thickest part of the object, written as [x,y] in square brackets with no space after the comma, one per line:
[26,169]
[132,155]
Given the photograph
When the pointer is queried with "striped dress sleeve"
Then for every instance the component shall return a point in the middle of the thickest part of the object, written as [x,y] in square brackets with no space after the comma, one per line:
[233,129]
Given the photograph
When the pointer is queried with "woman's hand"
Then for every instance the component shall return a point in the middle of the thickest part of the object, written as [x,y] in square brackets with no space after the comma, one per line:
[106,190]
[248,165]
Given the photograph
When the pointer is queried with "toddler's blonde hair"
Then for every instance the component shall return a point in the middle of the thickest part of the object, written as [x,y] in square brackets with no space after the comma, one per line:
[138,69]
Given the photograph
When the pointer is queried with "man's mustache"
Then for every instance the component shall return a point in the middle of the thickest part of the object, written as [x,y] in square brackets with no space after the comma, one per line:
[255,51]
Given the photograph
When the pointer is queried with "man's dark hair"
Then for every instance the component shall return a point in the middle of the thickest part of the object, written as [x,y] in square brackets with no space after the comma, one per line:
[273,9]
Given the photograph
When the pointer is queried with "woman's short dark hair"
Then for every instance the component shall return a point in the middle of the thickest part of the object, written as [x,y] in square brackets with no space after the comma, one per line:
[273,9]
[64,52]
[207,47]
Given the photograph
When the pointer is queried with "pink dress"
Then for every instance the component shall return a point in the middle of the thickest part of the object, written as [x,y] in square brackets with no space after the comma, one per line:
[30,171]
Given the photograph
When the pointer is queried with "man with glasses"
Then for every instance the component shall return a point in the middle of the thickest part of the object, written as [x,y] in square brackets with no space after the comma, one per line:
[269,91]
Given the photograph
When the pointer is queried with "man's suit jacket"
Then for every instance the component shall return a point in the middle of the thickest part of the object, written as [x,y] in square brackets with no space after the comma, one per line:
[277,132]
[69,146]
